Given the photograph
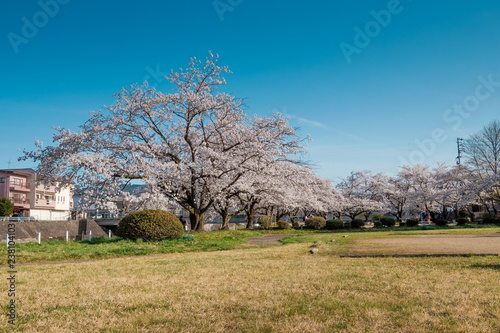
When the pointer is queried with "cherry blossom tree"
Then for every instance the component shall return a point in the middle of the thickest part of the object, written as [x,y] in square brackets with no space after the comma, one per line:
[191,145]
[359,194]
[395,191]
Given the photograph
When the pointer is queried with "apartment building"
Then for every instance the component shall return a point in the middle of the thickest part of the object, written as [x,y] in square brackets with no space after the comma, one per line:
[16,186]
[40,202]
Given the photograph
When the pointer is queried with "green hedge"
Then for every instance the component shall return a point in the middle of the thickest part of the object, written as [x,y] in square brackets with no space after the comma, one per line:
[316,222]
[334,224]
[491,219]
[412,222]
[357,223]
[388,221]
[150,224]
[441,222]
[283,225]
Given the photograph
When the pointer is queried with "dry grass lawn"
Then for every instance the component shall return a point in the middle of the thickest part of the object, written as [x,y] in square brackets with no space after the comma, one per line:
[423,244]
[268,289]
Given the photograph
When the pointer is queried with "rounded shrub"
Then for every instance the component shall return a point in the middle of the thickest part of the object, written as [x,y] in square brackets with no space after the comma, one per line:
[334,224]
[375,217]
[377,224]
[441,222]
[388,221]
[489,219]
[150,224]
[463,220]
[316,222]
[266,222]
[283,225]
[412,222]
[357,223]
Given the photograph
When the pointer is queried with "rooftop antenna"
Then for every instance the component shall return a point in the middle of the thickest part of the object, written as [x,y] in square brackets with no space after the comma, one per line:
[8,164]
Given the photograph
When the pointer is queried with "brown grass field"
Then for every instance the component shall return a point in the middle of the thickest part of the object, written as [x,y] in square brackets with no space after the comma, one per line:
[264,289]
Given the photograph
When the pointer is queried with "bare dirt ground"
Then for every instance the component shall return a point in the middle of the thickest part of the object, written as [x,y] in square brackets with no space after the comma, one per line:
[267,239]
[429,244]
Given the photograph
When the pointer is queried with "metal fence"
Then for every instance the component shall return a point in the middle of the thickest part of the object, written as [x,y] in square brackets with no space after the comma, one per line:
[17,219]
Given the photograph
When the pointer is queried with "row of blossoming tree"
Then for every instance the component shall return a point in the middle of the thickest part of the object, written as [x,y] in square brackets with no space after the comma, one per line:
[198,148]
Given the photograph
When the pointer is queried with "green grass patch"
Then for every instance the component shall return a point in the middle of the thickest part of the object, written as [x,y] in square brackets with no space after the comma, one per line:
[103,248]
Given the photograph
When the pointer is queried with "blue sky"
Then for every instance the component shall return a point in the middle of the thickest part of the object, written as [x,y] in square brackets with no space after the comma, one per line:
[420,76]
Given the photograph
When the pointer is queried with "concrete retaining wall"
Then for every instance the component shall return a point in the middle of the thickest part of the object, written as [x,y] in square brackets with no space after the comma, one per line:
[28,230]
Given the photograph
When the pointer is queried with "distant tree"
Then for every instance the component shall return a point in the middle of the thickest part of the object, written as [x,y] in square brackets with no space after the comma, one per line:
[360,194]
[395,191]
[482,152]
[6,207]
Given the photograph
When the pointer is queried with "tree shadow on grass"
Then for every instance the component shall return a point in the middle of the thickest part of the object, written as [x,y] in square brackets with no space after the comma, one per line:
[488,266]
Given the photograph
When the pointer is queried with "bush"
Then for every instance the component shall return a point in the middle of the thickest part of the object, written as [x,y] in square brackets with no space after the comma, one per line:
[150,224]
[186,237]
[441,222]
[316,222]
[463,220]
[283,225]
[412,222]
[266,222]
[334,224]
[489,219]
[357,223]
[6,207]
[388,221]
[377,224]
[376,217]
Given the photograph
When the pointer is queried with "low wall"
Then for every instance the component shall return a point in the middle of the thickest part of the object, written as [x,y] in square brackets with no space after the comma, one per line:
[28,230]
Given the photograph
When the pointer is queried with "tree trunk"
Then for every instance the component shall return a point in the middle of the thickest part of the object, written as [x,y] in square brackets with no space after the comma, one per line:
[250,215]
[225,221]
[196,220]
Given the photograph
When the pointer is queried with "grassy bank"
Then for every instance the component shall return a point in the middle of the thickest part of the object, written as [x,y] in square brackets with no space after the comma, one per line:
[261,289]
[102,248]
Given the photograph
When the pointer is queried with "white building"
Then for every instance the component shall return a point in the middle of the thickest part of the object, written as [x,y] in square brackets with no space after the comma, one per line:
[46,203]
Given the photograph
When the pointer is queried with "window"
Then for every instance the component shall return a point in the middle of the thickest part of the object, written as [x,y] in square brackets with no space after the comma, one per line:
[18,181]
[2,179]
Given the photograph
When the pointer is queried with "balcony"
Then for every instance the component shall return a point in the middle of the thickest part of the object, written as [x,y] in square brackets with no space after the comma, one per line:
[20,187]
[45,203]
[20,202]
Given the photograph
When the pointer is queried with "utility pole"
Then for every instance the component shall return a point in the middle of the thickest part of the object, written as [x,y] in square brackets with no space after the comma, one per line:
[460,148]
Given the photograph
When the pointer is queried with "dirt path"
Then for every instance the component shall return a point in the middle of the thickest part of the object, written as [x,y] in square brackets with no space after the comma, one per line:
[267,239]
[431,244]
